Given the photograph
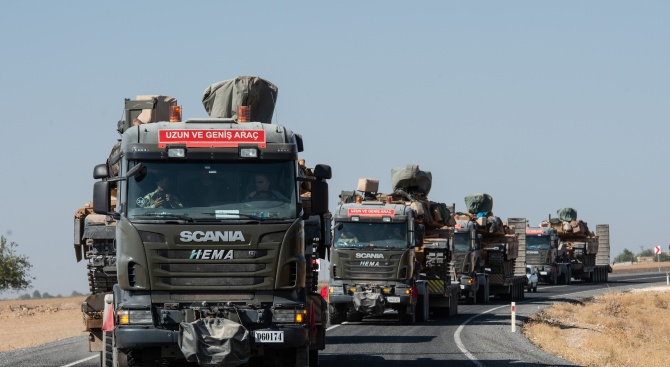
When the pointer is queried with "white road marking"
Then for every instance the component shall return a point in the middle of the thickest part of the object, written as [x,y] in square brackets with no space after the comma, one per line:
[81,360]
[459,343]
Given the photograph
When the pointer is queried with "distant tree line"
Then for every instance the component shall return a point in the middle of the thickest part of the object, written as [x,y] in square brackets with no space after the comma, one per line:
[628,256]
[45,295]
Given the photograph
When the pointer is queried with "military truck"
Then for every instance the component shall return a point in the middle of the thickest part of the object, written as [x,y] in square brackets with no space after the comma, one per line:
[392,252]
[564,248]
[489,253]
[212,268]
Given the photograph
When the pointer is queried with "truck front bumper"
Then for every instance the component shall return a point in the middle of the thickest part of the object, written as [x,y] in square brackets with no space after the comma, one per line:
[137,337]
[388,299]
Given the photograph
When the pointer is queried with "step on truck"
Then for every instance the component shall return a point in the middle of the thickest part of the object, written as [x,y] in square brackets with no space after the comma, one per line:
[489,253]
[392,252]
[563,249]
[212,234]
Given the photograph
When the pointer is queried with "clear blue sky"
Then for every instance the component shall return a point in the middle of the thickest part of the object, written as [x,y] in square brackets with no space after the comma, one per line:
[543,105]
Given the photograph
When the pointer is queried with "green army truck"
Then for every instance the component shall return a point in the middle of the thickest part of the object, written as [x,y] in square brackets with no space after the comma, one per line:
[392,252]
[489,254]
[211,238]
[563,249]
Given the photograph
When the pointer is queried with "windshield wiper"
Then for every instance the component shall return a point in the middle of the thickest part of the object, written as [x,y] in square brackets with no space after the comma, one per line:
[239,215]
[164,215]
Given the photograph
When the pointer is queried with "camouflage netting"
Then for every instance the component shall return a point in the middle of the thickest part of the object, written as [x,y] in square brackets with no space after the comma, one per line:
[223,98]
[411,179]
[479,203]
[567,214]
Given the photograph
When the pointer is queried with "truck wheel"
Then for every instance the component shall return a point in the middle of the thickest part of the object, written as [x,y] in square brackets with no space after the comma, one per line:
[421,309]
[471,298]
[107,354]
[337,313]
[354,316]
[407,318]
[568,277]
[483,293]
[110,356]
[313,358]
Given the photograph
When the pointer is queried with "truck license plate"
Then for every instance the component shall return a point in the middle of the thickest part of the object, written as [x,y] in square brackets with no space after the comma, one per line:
[543,273]
[269,336]
[393,299]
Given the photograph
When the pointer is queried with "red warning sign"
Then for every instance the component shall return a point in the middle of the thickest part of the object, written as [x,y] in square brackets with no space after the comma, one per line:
[211,138]
[370,212]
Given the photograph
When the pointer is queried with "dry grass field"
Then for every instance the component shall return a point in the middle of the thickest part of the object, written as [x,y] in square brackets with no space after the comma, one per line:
[614,329]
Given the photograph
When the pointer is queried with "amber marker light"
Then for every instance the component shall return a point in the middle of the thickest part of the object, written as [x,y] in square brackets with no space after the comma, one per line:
[243,114]
[175,113]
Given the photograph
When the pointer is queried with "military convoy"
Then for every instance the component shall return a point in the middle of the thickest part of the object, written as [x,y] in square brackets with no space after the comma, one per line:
[205,269]
[564,248]
[489,253]
[392,252]
[203,239]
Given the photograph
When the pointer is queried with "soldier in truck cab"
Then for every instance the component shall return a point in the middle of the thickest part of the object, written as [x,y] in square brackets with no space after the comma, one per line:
[161,197]
[263,190]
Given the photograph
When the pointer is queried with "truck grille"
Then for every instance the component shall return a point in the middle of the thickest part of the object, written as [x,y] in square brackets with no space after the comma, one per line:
[184,269]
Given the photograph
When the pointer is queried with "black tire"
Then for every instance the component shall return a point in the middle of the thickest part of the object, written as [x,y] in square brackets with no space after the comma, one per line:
[483,294]
[337,313]
[471,298]
[107,355]
[313,358]
[407,318]
[354,316]
[421,309]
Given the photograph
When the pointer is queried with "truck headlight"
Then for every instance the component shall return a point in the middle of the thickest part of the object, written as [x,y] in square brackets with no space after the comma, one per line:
[336,289]
[289,315]
[135,317]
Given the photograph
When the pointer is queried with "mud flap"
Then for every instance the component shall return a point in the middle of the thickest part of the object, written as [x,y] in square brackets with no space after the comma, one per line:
[214,342]
[369,303]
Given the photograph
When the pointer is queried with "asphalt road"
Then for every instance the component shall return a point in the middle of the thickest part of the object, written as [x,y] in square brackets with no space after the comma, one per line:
[480,335]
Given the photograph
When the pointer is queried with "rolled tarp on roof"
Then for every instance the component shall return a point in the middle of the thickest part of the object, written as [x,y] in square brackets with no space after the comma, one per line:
[223,98]
[411,179]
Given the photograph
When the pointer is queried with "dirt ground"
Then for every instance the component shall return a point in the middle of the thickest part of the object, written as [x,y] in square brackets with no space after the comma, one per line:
[26,323]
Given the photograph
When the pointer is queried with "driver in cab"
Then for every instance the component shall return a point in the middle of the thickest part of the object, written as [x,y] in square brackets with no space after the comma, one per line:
[263,191]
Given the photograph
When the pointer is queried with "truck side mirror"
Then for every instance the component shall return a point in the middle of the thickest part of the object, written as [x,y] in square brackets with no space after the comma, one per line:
[418,235]
[101,201]
[323,171]
[100,171]
[319,197]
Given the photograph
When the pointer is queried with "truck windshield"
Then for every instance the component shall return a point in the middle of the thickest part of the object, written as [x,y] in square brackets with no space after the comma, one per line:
[213,191]
[462,242]
[538,243]
[378,235]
